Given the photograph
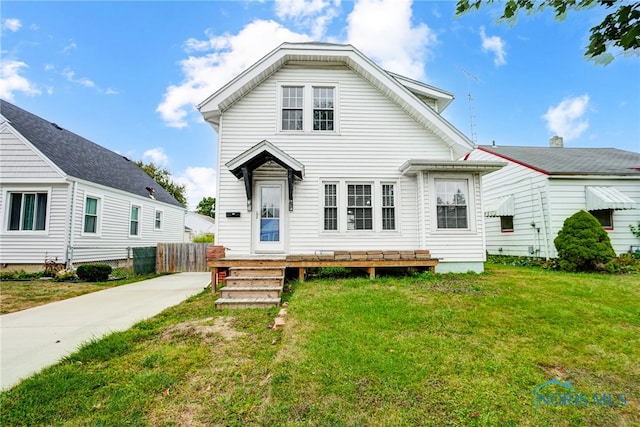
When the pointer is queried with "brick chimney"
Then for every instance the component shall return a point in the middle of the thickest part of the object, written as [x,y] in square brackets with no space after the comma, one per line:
[556,142]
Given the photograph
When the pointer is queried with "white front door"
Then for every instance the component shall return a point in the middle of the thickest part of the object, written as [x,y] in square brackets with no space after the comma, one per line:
[269,217]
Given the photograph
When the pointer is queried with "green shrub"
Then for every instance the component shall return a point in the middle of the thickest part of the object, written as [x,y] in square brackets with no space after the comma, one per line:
[94,272]
[582,244]
[203,238]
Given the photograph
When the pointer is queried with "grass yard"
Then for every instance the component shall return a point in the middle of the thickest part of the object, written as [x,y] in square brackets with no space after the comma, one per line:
[421,350]
[16,295]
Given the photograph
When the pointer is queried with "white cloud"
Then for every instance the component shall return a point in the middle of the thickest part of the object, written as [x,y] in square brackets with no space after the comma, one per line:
[11,81]
[495,45]
[83,81]
[157,156]
[314,15]
[229,55]
[11,24]
[567,118]
[383,30]
[70,46]
[200,183]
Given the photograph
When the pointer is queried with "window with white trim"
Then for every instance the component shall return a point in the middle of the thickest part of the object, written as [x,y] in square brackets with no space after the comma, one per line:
[323,108]
[307,107]
[330,206]
[451,203]
[157,225]
[91,206]
[292,108]
[27,211]
[359,207]
[506,224]
[388,207]
[134,223]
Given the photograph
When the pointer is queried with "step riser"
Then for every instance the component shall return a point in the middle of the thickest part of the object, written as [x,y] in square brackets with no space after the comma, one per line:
[250,272]
[232,306]
[231,294]
[252,282]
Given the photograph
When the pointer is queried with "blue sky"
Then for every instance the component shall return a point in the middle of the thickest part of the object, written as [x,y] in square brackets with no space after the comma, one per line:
[127,75]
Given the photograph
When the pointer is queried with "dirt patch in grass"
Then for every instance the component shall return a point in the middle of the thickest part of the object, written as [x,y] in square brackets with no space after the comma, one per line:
[207,329]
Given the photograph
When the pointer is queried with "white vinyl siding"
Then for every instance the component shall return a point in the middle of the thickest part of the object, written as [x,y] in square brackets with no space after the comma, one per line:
[373,136]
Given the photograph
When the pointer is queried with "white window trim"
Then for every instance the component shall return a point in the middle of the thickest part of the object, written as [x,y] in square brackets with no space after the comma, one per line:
[7,211]
[376,204]
[395,206]
[100,199]
[139,235]
[155,216]
[307,109]
[471,212]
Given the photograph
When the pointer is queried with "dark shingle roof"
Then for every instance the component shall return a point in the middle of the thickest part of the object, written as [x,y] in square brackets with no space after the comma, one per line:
[80,158]
[571,161]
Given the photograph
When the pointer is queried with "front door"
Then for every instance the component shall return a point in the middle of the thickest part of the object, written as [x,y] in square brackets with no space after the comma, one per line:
[268,218]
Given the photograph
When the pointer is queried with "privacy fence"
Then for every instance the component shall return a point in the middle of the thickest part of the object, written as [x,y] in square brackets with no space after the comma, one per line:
[127,261]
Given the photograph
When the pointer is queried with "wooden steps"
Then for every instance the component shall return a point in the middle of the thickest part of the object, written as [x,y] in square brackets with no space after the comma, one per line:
[251,287]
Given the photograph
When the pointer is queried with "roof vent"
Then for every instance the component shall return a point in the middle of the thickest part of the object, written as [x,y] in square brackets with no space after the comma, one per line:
[55,125]
[151,191]
[556,142]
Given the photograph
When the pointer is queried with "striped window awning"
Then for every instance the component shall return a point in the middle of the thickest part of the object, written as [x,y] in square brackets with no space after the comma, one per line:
[599,198]
[503,206]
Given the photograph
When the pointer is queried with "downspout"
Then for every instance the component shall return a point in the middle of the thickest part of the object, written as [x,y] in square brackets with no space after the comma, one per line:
[544,225]
[422,224]
[70,230]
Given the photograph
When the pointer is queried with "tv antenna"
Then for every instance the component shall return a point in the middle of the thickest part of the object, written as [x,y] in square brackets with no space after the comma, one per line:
[472,113]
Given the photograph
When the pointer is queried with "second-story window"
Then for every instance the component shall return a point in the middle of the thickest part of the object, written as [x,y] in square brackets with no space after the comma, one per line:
[292,107]
[323,108]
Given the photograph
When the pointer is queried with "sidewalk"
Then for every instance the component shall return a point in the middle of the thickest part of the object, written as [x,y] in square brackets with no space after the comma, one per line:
[33,339]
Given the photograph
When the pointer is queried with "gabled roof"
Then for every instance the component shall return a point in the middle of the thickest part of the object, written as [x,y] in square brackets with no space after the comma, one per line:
[571,161]
[80,158]
[261,153]
[405,92]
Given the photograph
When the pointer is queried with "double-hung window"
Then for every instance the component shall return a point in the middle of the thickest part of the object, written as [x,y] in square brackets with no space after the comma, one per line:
[388,207]
[134,226]
[359,207]
[451,203]
[330,206]
[158,221]
[323,108]
[27,211]
[90,215]
[292,108]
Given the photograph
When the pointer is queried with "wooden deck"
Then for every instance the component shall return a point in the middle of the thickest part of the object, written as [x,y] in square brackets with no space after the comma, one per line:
[364,260]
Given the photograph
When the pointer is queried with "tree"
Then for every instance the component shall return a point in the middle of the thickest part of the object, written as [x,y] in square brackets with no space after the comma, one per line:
[207,206]
[163,177]
[582,243]
[620,28]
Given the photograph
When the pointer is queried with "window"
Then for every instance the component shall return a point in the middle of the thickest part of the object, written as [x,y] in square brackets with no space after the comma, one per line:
[322,108]
[451,203]
[134,228]
[330,207]
[292,108]
[388,207]
[506,224]
[359,210]
[27,211]
[90,215]
[604,217]
[158,221]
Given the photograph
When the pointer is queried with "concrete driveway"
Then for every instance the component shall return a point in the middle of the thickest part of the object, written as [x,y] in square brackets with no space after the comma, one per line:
[33,339]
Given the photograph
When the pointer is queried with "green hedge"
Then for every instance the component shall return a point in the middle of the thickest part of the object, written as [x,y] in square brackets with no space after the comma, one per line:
[94,272]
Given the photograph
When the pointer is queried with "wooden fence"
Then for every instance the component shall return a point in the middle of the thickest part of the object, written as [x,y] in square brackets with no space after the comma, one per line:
[181,257]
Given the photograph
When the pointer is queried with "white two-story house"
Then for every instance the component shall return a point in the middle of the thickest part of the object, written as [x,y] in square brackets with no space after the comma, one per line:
[322,150]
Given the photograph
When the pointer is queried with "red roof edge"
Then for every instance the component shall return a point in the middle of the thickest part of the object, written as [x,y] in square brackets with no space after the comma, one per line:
[526,165]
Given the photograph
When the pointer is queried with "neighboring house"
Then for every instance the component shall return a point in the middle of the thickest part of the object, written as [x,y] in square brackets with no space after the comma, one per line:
[526,202]
[322,150]
[67,199]
[196,224]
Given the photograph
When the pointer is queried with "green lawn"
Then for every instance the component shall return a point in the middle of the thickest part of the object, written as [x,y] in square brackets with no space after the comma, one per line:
[421,350]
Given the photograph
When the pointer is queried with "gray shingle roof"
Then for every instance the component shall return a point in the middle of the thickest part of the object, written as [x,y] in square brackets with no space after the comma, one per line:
[80,158]
[571,161]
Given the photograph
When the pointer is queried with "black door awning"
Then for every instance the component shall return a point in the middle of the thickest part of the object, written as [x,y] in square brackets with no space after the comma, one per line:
[243,166]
